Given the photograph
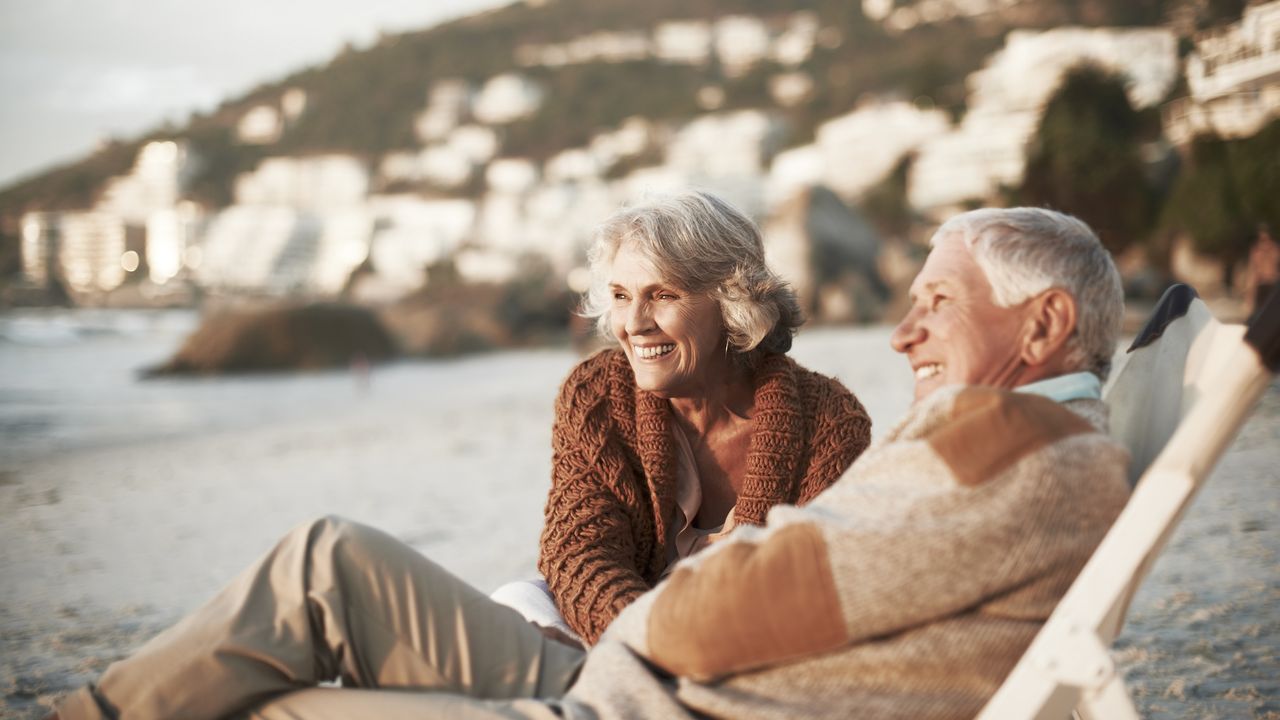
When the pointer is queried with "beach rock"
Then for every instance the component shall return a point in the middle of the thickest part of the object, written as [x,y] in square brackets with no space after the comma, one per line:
[449,316]
[435,329]
[307,337]
[830,254]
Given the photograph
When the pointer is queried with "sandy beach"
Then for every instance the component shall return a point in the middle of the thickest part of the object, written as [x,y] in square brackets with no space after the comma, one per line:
[124,503]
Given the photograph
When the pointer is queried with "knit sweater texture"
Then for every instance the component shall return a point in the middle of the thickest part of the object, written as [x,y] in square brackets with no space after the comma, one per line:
[909,589]
[613,492]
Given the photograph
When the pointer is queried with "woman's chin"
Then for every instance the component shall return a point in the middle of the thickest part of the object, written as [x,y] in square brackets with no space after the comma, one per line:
[647,383]
[658,383]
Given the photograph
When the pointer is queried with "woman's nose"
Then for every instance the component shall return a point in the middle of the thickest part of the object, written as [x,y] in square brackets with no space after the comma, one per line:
[639,318]
[907,334]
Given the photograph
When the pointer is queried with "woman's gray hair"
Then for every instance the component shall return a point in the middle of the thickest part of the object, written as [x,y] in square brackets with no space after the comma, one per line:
[1025,251]
[702,244]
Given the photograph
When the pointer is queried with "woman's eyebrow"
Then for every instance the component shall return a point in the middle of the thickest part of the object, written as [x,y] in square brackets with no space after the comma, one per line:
[615,285]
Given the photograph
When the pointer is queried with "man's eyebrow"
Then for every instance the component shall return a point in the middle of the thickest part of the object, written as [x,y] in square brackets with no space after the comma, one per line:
[925,288]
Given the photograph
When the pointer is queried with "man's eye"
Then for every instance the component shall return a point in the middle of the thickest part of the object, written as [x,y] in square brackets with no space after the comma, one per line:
[619,297]
[938,300]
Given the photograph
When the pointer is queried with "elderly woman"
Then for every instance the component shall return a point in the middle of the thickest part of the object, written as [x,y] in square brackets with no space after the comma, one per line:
[696,422]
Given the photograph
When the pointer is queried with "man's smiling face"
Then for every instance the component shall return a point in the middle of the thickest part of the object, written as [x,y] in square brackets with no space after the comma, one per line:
[954,332]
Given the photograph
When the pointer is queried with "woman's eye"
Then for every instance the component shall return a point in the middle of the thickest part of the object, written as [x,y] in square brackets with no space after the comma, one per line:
[619,297]
[667,296]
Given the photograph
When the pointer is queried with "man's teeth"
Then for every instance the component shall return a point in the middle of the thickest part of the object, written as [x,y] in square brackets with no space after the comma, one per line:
[924,372]
[652,351]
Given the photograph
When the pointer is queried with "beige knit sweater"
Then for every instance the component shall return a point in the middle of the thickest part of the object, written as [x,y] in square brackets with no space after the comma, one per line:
[613,486]
[909,589]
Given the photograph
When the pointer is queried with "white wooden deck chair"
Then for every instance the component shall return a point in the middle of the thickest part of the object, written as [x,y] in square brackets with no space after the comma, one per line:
[1187,386]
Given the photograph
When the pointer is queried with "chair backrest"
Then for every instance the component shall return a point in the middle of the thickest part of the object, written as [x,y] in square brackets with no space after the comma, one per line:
[1164,372]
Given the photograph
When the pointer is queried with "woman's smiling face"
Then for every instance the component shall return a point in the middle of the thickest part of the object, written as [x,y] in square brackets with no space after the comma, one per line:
[674,338]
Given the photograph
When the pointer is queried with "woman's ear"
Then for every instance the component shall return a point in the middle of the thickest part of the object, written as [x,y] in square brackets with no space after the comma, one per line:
[1051,321]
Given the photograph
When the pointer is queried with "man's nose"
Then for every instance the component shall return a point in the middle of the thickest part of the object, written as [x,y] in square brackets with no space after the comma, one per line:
[907,334]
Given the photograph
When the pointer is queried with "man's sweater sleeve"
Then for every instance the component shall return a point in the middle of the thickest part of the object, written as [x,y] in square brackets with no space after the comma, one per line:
[903,540]
[587,550]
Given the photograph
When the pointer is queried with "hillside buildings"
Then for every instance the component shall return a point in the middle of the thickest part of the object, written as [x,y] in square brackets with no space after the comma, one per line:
[263,124]
[737,42]
[988,149]
[371,226]
[1234,78]
[139,216]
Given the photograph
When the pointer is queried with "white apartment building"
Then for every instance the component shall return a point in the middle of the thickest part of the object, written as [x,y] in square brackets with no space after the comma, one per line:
[293,103]
[172,241]
[795,44]
[506,98]
[683,41]
[261,125]
[154,183]
[84,249]
[447,105]
[511,176]
[1234,78]
[899,17]
[311,183]
[854,152]
[39,247]
[409,234]
[91,251]
[741,41]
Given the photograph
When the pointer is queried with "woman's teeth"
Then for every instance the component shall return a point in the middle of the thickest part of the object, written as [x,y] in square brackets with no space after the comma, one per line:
[652,351]
[924,372]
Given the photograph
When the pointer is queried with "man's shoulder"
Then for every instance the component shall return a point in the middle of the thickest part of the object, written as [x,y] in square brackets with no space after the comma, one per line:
[979,432]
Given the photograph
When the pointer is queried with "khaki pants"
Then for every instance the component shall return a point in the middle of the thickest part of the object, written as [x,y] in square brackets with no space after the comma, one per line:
[339,600]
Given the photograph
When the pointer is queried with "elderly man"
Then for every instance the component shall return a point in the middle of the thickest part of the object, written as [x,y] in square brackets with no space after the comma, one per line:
[907,590]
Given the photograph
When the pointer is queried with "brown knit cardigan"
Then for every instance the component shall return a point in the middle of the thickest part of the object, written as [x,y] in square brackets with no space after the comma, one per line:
[613,487]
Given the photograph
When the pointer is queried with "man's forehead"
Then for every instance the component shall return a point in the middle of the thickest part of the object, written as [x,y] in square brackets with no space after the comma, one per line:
[949,265]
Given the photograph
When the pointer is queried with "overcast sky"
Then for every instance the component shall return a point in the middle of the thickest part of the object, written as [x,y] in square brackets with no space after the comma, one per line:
[75,71]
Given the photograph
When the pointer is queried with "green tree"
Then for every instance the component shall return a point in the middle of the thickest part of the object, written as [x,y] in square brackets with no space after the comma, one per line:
[1224,190]
[1084,158]
[1256,164]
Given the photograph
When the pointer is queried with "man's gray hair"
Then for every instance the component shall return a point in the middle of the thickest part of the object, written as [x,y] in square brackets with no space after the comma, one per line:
[701,244]
[1025,251]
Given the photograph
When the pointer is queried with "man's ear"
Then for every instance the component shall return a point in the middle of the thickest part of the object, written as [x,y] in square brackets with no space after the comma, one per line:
[1050,323]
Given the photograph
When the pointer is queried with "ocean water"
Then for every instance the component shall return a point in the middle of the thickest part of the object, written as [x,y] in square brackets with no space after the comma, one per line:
[124,503]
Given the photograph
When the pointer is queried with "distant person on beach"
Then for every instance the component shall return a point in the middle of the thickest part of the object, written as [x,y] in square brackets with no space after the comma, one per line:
[908,589]
[696,423]
[1263,270]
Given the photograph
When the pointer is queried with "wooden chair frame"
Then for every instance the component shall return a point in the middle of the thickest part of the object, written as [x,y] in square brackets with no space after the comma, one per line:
[1225,370]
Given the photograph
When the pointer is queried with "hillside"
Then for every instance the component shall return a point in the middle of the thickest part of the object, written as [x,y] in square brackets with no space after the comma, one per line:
[364,102]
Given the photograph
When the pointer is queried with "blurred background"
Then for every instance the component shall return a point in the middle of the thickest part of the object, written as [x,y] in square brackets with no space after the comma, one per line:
[468,162]
[397,198]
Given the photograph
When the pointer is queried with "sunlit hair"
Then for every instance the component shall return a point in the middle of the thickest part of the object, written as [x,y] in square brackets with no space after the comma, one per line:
[700,244]
[1025,251]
